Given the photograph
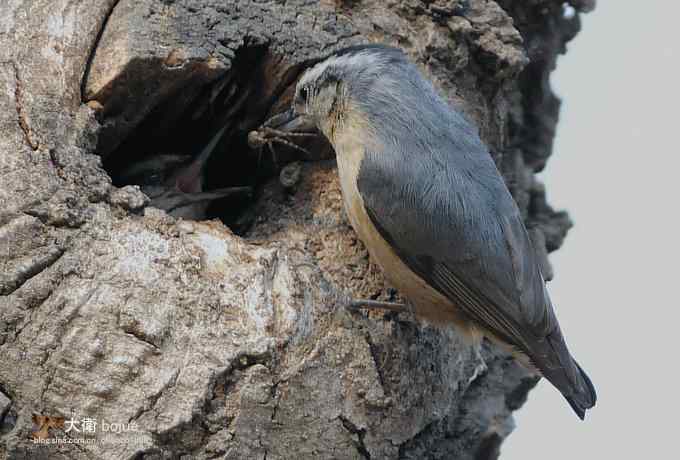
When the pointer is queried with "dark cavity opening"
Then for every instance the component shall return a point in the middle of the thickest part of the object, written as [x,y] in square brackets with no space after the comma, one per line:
[164,145]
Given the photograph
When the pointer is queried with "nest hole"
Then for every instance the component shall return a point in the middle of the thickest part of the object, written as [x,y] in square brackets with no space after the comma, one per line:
[162,150]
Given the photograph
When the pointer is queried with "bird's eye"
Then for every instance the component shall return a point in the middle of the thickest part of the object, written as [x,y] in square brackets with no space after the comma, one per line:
[304,93]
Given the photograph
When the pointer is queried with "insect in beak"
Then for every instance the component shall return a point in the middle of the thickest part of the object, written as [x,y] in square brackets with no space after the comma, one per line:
[280,129]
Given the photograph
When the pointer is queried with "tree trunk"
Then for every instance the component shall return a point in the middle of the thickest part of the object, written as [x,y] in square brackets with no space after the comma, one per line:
[227,338]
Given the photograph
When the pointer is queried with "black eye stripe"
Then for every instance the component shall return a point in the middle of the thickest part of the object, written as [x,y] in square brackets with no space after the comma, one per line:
[312,89]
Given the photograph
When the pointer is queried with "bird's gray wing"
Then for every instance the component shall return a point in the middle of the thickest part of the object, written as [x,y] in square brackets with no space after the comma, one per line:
[451,219]
[460,230]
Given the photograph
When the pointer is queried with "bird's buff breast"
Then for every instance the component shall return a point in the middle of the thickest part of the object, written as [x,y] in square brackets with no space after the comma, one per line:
[427,302]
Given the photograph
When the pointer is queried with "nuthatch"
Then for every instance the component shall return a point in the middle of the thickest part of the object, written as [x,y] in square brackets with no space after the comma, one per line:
[175,182]
[424,195]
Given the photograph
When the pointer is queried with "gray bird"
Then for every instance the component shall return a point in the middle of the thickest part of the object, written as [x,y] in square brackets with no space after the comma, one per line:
[424,195]
[175,182]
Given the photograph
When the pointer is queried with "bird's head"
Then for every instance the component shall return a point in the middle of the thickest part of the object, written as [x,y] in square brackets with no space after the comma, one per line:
[345,87]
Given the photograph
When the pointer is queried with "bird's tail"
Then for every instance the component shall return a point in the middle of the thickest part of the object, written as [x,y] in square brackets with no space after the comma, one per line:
[566,374]
[585,399]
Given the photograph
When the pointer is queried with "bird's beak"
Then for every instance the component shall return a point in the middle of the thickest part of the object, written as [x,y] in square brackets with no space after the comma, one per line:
[291,121]
[173,199]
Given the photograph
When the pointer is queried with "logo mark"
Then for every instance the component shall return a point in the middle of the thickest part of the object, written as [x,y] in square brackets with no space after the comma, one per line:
[44,423]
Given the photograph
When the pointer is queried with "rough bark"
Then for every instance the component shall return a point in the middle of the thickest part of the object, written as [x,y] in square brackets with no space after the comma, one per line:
[218,345]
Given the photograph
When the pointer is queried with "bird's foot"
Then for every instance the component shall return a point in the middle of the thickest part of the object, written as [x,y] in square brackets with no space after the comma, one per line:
[480,363]
[357,304]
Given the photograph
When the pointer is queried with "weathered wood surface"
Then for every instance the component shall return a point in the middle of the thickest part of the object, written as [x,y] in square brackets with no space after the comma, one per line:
[213,345]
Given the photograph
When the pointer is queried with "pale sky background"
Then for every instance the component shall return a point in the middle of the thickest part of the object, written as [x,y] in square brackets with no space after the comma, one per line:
[616,169]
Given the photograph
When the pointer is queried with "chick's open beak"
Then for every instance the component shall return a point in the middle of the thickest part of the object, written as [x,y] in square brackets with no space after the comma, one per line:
[292,122]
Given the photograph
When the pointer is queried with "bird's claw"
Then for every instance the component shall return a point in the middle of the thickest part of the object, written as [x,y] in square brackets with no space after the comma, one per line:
[357,304]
